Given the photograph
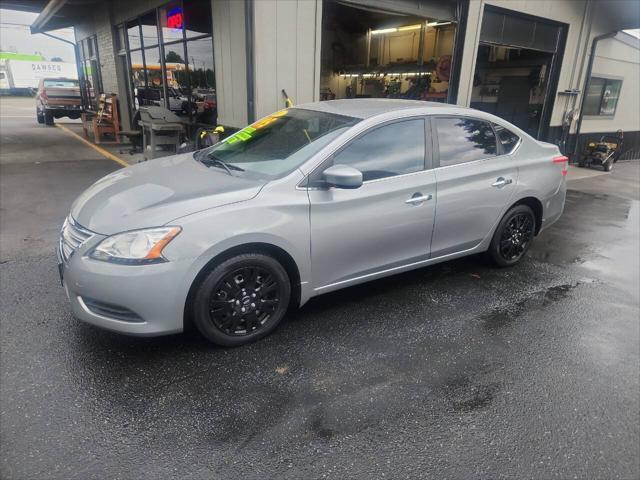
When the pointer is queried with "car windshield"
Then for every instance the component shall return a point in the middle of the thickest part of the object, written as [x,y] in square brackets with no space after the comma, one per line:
[61,83]
[279,143]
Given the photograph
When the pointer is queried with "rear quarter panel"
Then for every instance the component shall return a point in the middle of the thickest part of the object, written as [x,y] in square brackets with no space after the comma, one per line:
[539,177]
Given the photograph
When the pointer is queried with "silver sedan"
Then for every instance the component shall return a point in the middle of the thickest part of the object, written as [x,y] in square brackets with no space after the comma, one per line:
[302,202]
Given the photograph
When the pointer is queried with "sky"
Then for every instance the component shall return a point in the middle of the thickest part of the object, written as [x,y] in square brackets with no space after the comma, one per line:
[16,37]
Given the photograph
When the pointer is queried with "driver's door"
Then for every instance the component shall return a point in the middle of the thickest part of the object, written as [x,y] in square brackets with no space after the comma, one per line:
[388,221]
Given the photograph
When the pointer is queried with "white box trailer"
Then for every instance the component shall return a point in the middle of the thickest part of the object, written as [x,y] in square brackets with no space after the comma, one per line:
[22,76]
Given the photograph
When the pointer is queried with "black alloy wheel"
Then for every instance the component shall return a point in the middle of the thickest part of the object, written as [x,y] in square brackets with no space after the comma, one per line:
[513,236]
[242,299]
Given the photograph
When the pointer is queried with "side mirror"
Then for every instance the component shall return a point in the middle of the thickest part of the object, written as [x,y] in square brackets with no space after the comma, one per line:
[342,176]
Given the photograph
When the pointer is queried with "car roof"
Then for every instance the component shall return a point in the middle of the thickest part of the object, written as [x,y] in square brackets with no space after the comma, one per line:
[369,107]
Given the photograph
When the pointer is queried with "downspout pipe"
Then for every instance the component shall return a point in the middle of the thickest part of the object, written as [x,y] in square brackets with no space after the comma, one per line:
[250,65]
[587,80]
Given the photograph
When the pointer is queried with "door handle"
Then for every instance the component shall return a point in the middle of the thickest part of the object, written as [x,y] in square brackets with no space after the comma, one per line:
[501,182]
[418,198]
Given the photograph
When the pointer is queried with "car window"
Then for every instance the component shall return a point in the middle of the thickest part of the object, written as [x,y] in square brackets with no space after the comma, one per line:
[508,140]
[462,140]
[386,151]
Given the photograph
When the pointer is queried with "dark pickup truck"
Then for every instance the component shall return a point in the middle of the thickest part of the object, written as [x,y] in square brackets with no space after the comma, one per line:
[56,98]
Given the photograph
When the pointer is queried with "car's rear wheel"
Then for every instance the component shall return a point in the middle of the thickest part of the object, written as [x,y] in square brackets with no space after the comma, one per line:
[513,236]
[242,299]
[39,116]
[48,117]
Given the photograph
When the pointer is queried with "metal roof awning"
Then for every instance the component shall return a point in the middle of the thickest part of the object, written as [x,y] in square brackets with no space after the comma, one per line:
[54,14]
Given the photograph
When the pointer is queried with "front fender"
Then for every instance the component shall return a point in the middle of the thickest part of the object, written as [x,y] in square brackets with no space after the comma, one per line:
[270,218]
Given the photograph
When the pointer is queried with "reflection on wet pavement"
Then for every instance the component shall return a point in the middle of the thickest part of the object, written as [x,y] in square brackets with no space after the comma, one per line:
[459,370]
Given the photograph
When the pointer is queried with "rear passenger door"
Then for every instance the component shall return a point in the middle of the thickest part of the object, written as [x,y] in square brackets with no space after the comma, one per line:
[475,183]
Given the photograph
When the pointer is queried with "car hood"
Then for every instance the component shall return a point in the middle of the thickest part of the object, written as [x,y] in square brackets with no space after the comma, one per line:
[153,193]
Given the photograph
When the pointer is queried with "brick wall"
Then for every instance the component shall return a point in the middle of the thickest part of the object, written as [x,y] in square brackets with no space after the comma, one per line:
[102,23]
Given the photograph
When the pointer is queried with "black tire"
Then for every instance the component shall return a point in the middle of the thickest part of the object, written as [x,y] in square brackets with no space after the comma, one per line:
[608,165]
[242,299]
[48,118]
[513,236]
[39,117]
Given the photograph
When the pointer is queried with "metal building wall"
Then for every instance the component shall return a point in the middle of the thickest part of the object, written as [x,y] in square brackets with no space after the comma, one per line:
[286,52]
[586,20]
[617,59]
[229,50]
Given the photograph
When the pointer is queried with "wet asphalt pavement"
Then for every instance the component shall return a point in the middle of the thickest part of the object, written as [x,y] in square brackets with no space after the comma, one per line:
[454,371]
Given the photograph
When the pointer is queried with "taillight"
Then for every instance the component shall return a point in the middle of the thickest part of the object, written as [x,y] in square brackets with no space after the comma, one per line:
[564,161]
[44,95]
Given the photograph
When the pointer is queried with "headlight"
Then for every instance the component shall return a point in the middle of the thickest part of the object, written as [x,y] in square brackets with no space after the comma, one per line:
[135,247]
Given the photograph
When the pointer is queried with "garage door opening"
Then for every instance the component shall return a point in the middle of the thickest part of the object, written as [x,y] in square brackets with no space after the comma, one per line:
[512,84]
[517,68]
[371,53]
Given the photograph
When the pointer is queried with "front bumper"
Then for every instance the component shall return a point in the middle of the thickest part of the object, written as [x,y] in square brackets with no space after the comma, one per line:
[143,300]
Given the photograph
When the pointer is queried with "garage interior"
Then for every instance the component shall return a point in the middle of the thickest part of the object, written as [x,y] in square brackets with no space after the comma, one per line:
[511,83]
[372,53]
[516,62]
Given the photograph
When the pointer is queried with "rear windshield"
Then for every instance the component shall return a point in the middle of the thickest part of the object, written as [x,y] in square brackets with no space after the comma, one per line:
[61,83]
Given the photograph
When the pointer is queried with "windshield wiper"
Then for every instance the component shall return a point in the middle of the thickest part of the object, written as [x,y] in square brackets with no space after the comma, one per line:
[214,162]
[211,161]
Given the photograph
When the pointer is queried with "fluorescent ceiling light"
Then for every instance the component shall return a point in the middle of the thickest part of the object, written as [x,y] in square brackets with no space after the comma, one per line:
[409,27]
[437,24]
[384,30]
[398,29]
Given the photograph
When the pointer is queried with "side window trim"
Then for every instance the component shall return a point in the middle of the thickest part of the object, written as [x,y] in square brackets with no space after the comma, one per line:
[499,147]
[436,140]
[499,142]
[429,152]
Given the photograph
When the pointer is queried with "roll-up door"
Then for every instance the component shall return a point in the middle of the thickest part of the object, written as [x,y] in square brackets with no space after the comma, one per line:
[500,28]
[443,10]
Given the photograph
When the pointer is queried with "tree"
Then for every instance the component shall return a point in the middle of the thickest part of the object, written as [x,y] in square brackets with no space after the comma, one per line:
[173,57]
[56,59]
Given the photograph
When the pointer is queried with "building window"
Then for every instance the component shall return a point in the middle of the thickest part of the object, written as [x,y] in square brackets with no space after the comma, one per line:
[602,96]
[92,76]
[170,53]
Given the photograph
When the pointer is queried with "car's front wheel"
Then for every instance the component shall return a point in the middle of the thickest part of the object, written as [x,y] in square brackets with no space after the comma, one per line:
[513,236]
[242,299]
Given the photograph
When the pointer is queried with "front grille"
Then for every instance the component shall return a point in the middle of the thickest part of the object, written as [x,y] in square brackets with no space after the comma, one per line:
[110,310]
[71,237]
